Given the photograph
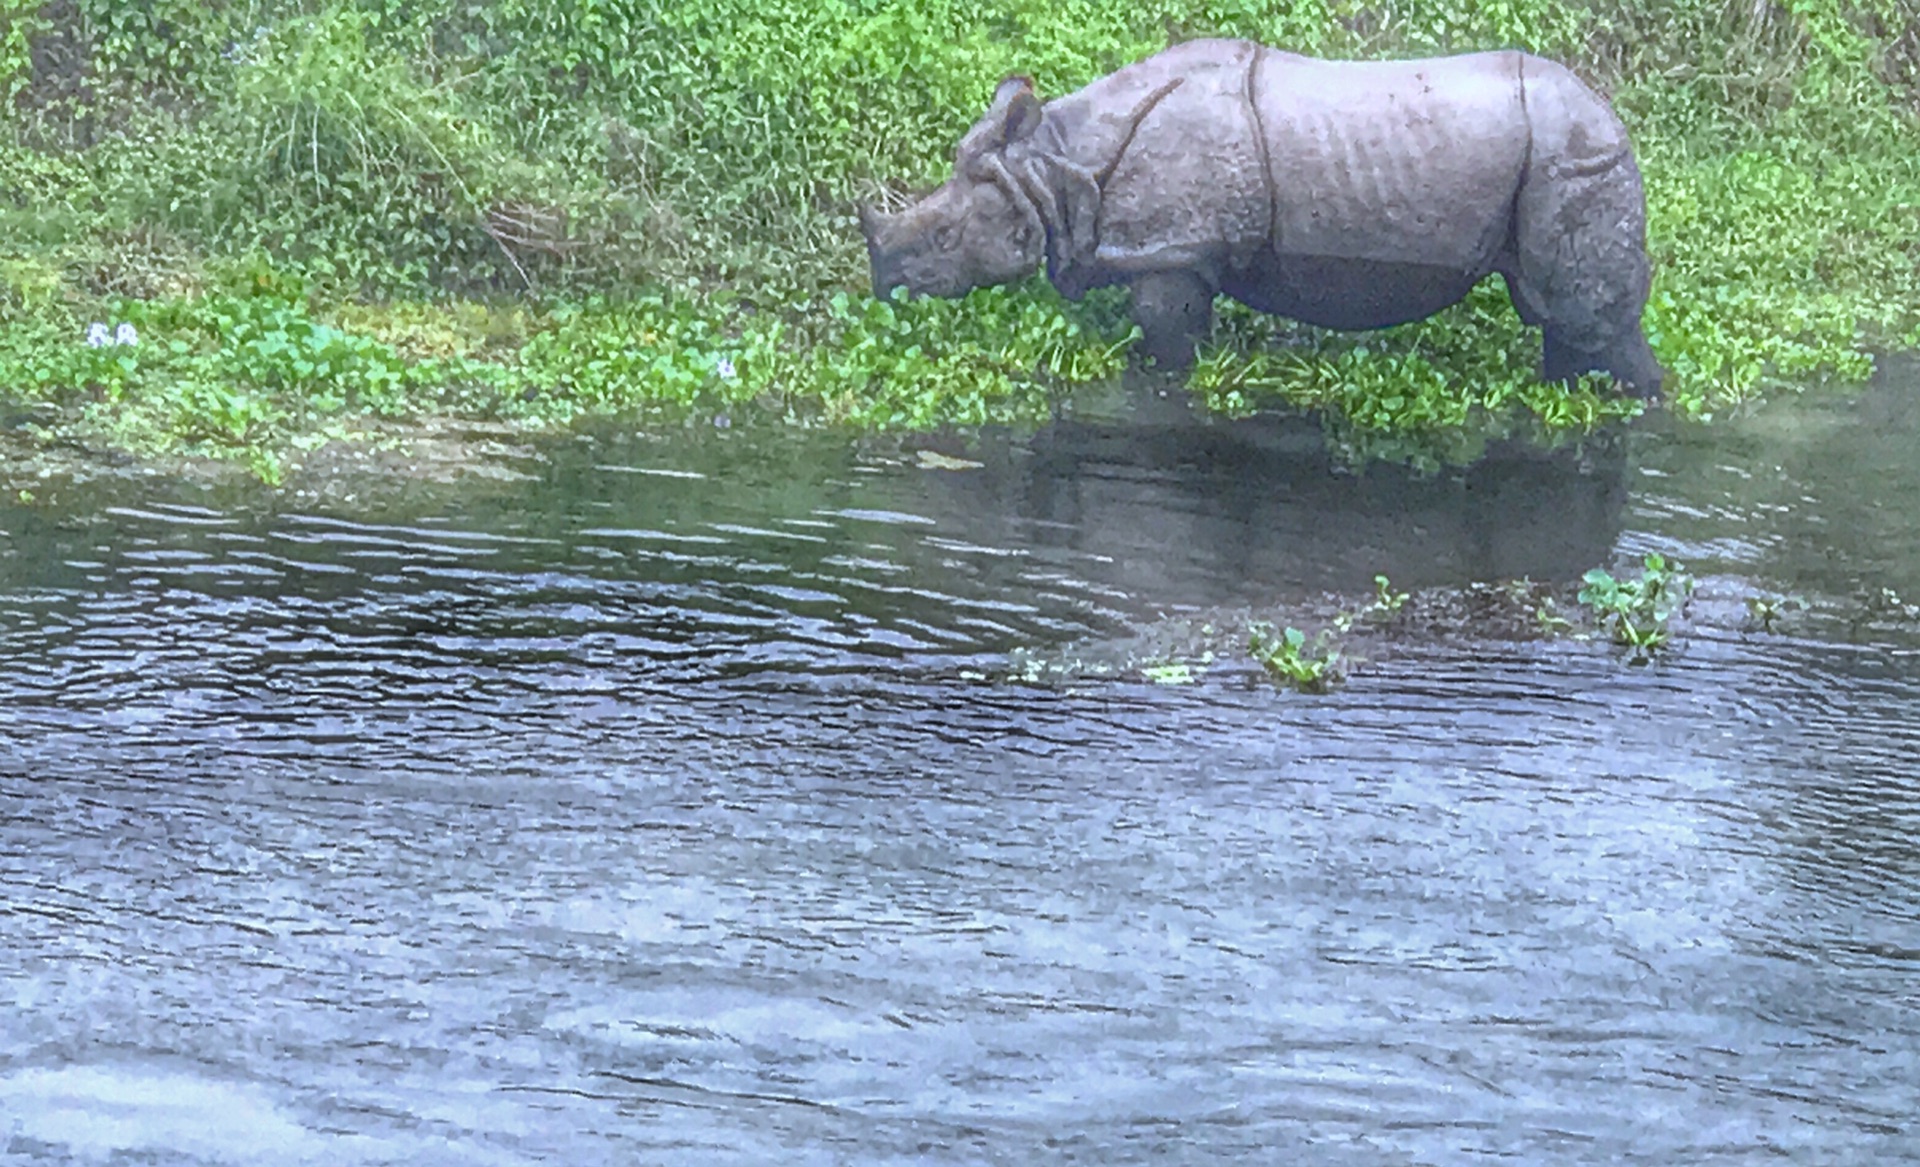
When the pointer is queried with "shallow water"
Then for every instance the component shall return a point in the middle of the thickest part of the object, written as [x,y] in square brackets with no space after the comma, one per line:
[650,812]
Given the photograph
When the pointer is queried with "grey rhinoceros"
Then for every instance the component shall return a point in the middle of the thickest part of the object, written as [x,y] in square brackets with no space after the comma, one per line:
[1347,194]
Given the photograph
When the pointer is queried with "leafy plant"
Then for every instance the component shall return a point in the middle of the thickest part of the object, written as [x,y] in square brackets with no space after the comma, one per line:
[1547,617]
[1170,673]
[1765,609]
[1289,659]
[1386,601]
[1636,612]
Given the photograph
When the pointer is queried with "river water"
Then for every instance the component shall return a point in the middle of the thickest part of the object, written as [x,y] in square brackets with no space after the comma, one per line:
[653,809]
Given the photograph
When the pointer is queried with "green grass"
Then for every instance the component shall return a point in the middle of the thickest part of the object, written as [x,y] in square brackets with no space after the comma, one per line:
[541,209]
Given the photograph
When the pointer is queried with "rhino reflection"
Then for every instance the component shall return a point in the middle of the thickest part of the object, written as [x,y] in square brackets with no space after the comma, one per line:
[1224,513]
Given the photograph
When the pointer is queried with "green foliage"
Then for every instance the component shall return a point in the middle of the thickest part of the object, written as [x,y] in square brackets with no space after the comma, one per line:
[1432,392]
[1288,658]
[688,171]
[992,356]
[1766,609]
[1170,673]
[1386,602]
[1547,618]
[244,369]
[20,22]
[1637,612]
[1384,608]
[607,354]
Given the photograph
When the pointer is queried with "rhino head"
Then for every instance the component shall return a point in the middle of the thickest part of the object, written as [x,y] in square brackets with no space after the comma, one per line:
[979,228]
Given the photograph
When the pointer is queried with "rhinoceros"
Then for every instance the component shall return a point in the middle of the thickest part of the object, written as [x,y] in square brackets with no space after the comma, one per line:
[1347,194]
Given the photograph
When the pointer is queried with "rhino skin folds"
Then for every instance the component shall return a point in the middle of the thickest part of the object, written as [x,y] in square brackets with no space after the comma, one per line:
[1347,194]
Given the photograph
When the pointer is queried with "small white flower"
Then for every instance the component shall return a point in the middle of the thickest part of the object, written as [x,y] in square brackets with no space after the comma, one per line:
[98,336]
[725,369]
[125,334]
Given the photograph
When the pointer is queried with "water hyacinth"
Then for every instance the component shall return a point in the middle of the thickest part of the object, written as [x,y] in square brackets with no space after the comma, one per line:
[725,369]
[125,334]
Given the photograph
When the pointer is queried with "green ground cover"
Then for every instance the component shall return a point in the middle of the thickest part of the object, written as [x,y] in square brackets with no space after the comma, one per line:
[311,212]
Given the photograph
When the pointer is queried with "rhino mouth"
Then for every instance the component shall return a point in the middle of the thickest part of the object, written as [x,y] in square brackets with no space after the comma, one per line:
[886,277]
[886,269]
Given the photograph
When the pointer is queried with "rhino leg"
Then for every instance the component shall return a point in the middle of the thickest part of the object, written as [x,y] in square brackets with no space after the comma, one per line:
[1584,282]
[1629,359]
[1579,246]
[1174,310]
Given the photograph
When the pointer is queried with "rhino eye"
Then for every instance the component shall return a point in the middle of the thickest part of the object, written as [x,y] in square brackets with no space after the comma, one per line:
[943,236]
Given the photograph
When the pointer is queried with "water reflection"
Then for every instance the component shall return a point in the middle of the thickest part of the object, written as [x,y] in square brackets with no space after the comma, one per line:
[647,815]
[1212,513]
[1811,495]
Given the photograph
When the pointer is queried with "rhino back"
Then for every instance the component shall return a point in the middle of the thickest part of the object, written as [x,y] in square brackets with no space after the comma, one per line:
[1189,185]
[1411,162]
[1175,143]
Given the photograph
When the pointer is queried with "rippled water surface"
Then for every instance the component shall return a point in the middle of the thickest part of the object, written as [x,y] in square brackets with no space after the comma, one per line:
[652,810]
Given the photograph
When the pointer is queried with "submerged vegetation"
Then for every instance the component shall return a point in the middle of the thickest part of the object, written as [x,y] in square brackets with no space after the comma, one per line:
[1313,644]
[312,211]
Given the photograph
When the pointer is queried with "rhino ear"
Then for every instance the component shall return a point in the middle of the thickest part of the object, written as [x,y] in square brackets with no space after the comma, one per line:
[1013,116]
[1022,108]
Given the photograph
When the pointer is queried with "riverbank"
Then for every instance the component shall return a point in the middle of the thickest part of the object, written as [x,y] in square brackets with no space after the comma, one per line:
[244,236]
